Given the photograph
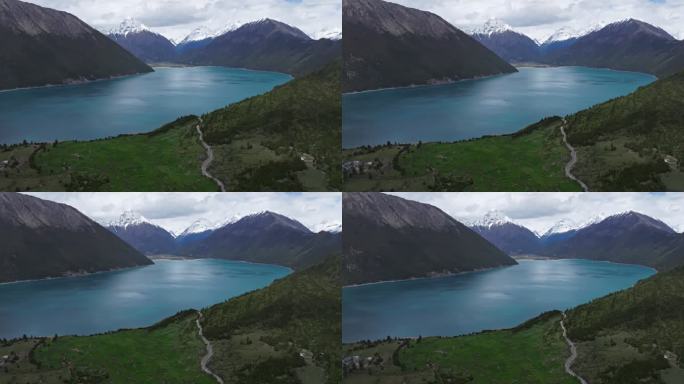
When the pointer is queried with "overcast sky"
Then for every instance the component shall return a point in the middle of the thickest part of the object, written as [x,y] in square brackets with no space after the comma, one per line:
[176,211]
[541,18]
[176,18]
[540,211]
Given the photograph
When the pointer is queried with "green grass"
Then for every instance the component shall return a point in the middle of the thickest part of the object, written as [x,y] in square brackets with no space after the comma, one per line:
[264,332]
[531,160]
[165,160]
[532,353]
[273,131]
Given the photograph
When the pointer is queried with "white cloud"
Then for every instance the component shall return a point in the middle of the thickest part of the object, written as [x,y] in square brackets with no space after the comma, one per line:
[540,18]
[540,211]
[176,18]
[176,211]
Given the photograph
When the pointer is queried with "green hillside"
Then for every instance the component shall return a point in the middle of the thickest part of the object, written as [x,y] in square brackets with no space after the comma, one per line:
[632,143]
[287,139]
[633,336]
[622,144]
[289,332]
[531,353]
[530,160]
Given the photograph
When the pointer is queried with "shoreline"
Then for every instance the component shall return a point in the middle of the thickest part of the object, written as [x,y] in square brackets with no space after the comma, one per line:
[75,275]
[521,258]
[78,82]
[413,86]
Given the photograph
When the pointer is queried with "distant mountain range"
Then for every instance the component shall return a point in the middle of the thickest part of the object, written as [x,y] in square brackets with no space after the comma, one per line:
[629,237]
[43,239]
[265,237]
[631,45]
[389,45]
[265,45]
[42,46]
[390,238]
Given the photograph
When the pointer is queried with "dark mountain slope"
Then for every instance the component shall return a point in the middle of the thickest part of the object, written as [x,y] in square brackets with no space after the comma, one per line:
[44,239]
[632,336]
[147,46]
[42,46]
[626,238]
[266,45]
[298,315]
[630,45]
[267,238]
[511,46]
[388,45]
[510,238]
[389,238]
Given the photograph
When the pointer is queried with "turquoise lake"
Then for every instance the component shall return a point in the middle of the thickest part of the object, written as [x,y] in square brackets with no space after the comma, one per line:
[475,108]
[472,302]
[129,298]
[133,104]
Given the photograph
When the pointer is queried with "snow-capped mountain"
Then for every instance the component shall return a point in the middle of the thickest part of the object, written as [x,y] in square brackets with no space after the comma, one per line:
[565,225]
[565,33]
[332,227]
[510,45]
[567,36]
[142,42]
[129,25]
[492,218]
[492,26]
[198,226]
[331,34]
[127,219]
[204,33]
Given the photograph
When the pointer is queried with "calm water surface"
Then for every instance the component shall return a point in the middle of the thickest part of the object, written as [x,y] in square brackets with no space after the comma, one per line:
[132,104]
[472,302]
[469,109]
[124,299]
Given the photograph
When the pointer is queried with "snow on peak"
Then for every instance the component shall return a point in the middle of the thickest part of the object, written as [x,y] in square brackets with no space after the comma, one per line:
[331,226]
[567,33]
[128,218]
[198,226]
[492,218]
[491,27]
[562,226]
[330,34]
[203,32]
[129,25]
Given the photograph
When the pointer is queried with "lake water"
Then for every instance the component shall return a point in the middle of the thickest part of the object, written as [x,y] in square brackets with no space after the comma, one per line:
[494,299]
[125,299]
[474,108]
[132,104]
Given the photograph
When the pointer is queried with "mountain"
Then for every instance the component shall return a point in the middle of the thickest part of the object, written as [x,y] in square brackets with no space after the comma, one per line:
[42,46]
[629,237]
[645,320]
[43,239]
[266,45]
[197,231]
[388,45]
[267,237]
[139,40]
[390,238]
[509,237]
[510,45]
[142,235]
[630,45]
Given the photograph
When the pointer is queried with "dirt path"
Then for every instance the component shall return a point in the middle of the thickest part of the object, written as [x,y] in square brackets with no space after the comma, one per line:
[209,159]
[573,159]
[573,354]
[210,350]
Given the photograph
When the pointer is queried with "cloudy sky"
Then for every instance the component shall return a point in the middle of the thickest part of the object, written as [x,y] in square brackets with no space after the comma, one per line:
[540,211]
[176,211]
[176,18]
[541,18]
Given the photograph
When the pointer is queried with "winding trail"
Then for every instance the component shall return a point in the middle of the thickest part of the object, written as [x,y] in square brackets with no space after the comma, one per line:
[573,354]
[210,350]
[573,159]
[210,157]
